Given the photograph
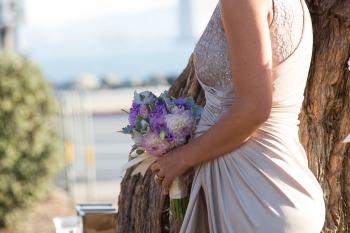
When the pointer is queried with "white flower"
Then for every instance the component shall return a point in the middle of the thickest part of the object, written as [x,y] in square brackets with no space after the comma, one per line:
[175,109]
[137,137]
[144,124]
[180,125]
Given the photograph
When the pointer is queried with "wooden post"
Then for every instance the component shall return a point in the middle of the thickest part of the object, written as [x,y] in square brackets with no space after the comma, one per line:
[6,38]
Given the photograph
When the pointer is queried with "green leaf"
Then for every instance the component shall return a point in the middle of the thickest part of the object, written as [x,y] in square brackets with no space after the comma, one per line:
[139,151]
[150,107]
[125,111]
[138,123]
[126,130]
[162,134]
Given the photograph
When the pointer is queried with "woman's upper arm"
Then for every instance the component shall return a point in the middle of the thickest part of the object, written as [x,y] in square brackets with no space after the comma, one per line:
[248,38]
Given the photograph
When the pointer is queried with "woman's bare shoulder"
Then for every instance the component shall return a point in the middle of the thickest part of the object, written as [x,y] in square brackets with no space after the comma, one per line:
[249,8]
[248,39]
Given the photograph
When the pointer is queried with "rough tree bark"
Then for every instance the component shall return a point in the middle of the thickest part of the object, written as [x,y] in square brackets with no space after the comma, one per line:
[141,207]
[325,116]
[324,123]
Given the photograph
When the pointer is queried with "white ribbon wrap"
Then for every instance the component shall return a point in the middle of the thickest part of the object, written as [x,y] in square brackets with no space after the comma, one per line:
[177,188]
[144,161]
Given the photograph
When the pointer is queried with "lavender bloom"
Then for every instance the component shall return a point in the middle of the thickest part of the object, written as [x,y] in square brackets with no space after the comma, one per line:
[143,111]
[154,145]
[181,103]
[160,107]
[157,122]
[169,135]
[134,111]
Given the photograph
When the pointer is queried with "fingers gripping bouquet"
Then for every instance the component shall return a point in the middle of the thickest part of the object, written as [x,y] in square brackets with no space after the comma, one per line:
[158,125]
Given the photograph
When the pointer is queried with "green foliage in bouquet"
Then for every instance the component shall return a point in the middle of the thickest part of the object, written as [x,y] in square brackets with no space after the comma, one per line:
[28,137]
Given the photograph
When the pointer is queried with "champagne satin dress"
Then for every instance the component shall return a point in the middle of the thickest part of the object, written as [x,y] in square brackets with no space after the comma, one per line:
[265,185]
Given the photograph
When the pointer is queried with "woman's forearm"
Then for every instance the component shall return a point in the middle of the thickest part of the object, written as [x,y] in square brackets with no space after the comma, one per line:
[233,129]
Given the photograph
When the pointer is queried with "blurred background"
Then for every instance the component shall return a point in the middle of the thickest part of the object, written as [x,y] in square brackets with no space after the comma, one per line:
[67,69]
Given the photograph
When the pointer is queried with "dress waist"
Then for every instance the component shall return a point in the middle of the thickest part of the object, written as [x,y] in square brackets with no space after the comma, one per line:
[281,122]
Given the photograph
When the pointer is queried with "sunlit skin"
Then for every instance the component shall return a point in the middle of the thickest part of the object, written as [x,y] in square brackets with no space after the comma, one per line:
[246,24]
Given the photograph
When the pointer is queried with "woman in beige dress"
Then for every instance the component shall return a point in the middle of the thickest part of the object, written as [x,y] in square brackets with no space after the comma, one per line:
[251,171]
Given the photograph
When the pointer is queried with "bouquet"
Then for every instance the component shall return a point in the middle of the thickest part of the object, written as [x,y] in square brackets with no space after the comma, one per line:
[157,124]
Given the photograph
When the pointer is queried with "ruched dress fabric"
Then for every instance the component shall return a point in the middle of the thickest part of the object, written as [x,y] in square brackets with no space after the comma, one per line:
[265,185]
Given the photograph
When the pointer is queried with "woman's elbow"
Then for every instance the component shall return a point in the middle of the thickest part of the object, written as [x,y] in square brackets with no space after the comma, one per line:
[262,114]
[262,110]
[257,111]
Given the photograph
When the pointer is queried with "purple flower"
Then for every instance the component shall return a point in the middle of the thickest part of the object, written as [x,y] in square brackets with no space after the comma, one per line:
[134,111]
[181,102]
[160,107]
[154,144]
[169,135]
[143,111]
[157,122]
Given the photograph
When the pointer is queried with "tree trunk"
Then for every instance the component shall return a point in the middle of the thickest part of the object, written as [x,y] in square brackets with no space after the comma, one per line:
[324,123]
[141,207]
[325,115]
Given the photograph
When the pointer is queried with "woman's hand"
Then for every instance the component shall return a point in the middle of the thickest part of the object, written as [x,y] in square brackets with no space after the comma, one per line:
[170,166]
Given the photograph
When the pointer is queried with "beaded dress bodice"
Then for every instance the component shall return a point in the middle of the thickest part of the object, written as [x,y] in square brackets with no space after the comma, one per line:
[291,43]
[211,56]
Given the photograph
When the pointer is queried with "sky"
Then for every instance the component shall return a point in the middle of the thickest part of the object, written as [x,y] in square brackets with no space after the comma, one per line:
[120,38]
[48,13]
